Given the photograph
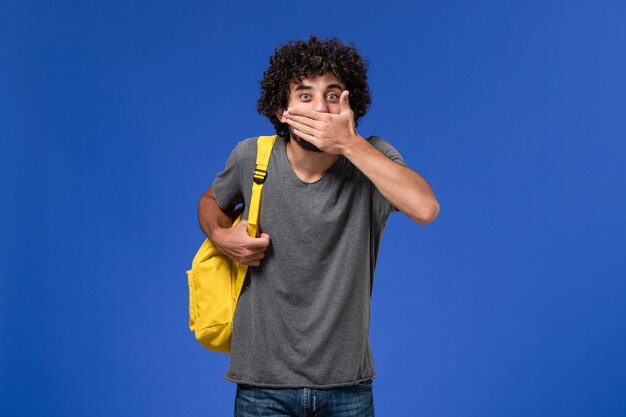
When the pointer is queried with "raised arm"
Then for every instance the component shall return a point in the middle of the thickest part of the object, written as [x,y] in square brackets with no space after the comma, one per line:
[407,190]
[234,242]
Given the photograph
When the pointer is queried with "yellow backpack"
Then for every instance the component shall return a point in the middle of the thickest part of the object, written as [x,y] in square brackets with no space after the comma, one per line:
[215,280]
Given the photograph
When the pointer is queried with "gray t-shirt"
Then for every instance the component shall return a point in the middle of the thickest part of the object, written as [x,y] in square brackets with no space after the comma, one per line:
[303,316]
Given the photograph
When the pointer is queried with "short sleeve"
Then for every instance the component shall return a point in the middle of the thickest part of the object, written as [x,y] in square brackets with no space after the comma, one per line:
[227,186]
[382,208]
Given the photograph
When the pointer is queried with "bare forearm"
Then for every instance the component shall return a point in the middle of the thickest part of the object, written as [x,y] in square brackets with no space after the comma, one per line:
[407,190]
[210,216]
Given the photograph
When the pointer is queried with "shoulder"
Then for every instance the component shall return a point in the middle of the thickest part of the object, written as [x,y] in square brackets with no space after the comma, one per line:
[387,148]
[246,146]
[244,152]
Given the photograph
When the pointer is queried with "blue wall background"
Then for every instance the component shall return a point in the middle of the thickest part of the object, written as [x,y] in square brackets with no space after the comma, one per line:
[115,116]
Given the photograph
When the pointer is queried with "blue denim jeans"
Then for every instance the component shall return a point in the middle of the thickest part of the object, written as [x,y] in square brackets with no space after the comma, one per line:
[350,401]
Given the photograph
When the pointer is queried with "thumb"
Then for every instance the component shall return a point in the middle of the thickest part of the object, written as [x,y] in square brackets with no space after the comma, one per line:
[265,236]
[344,102]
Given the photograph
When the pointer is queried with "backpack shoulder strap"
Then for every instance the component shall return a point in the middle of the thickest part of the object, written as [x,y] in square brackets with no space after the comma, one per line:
[264,150]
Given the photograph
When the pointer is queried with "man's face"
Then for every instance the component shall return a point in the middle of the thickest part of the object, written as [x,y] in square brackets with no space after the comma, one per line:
[316,92]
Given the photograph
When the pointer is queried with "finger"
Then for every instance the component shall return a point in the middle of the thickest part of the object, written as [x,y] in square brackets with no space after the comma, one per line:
[309,138]
[257,256]
[303,119]
[306,113]
[259,243]
[344,102]
[242,225]
[302,128]
[262,241]
[254,259]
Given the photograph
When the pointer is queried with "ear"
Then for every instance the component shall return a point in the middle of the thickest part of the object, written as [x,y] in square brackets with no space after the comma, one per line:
[279,115]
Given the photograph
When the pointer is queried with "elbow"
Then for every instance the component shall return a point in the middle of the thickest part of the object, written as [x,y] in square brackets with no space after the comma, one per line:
[427,213]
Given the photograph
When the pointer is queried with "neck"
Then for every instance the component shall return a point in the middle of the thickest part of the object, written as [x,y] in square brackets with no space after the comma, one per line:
[308,166]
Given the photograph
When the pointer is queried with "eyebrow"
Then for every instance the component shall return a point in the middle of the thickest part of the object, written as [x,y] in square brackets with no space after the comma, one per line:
[328,87]
[335,85]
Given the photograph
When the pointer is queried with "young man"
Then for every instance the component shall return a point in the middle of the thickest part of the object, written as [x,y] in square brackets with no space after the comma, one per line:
[300,341]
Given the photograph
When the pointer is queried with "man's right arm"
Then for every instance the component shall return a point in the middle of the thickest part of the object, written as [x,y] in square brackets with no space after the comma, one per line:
[234,242]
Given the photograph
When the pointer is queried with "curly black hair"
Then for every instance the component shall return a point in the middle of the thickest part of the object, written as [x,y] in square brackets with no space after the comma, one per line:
[295,60]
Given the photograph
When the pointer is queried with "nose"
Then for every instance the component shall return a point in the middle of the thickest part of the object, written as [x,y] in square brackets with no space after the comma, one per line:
[321,105]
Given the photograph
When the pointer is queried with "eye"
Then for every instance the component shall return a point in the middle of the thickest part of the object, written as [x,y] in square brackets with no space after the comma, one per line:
[305,96]
[332,97]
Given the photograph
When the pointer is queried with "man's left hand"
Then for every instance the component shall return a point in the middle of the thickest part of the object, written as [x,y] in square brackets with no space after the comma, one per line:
[331,133]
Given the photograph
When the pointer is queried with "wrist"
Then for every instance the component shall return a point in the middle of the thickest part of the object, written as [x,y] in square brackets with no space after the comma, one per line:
[215,234]
[354,145]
